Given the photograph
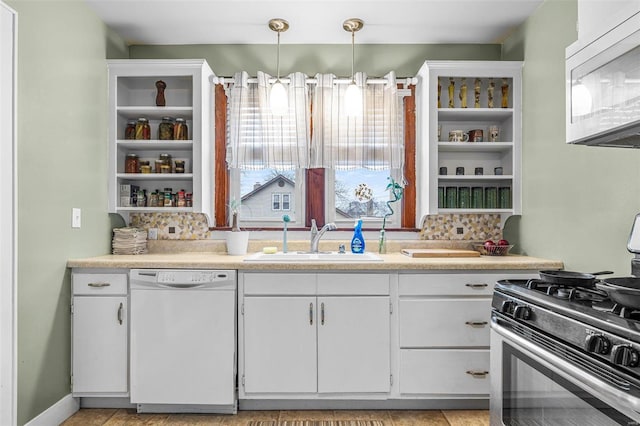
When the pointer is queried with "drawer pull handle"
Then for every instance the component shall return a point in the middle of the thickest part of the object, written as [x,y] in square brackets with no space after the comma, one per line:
[120,309]
[310,313]
[478,374]
[477,286]
[476,323]
[99,285]
[322,313]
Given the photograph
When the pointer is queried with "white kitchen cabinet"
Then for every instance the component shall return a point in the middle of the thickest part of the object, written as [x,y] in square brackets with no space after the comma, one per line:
[443,331]
[500,160]
[189,95]
[353,344]
[99,334]
[302,333]
[280,344]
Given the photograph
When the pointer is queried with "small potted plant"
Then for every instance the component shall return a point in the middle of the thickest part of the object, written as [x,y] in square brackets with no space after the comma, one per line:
[236,239]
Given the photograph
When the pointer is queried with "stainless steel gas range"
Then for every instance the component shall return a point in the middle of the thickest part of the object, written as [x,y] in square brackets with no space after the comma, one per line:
[566,354]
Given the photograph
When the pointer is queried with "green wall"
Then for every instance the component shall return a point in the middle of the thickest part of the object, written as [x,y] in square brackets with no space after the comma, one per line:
[62,150]
[578,202]
[374,59]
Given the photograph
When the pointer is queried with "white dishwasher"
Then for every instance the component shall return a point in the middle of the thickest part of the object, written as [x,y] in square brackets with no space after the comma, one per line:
[183,340]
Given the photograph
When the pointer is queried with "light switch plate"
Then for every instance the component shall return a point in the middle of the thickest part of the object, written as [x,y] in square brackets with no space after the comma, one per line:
[76,218]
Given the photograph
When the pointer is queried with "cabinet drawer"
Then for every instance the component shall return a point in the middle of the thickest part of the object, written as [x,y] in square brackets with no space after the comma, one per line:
[475,284]
[97,284]
[279,284]
[439,371]
[353,284]
[444,322]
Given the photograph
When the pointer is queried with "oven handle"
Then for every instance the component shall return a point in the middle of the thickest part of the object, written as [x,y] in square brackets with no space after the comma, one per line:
[605,391]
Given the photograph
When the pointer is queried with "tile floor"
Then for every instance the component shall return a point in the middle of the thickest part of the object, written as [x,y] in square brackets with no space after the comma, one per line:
[119,417]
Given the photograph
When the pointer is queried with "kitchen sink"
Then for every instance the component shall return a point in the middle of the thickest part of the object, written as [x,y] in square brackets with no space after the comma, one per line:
[303,256]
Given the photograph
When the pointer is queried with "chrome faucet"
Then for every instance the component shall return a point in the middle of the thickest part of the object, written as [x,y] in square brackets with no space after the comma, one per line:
[316,235]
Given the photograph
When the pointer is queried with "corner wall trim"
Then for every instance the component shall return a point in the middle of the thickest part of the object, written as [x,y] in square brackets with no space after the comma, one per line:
[57,413]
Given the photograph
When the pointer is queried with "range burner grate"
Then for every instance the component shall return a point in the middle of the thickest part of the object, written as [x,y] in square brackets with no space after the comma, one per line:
[577,294]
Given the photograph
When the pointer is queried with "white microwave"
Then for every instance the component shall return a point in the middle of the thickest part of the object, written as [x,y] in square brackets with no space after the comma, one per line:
[603,88]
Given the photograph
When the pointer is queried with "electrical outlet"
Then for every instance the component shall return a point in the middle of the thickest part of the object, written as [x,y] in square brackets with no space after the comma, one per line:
[152,234]
[76,218]
[172,229]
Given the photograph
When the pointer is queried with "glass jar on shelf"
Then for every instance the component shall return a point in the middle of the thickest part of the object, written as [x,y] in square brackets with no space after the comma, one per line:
[131,163]
[130,130]
[180,130]
[165,129]
[143,129]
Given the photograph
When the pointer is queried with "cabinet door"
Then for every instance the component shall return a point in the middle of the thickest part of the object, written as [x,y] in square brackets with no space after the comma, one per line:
[280,344]
[100,345]
[353,344]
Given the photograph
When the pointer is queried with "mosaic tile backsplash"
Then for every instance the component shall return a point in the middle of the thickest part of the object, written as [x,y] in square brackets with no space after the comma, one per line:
[194,226]
[174,226]
[476,227]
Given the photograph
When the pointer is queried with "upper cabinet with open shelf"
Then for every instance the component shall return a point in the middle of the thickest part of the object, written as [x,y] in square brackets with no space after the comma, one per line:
[469,137]
[187,92]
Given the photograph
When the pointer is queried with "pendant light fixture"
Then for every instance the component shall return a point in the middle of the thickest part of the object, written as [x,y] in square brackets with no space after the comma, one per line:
[353,95]
[278,95]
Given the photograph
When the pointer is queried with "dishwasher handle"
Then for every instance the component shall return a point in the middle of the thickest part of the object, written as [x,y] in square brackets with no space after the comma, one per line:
[180,286]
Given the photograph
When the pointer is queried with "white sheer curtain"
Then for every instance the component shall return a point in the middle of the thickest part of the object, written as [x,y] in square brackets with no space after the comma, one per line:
[258,139]
[372,141]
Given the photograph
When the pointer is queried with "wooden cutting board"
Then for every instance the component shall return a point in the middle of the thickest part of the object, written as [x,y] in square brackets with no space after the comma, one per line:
[439,253]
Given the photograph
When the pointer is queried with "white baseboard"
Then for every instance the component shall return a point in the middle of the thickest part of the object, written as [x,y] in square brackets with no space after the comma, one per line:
[57,413]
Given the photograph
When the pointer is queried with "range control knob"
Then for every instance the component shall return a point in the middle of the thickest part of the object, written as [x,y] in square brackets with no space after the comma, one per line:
[507,307]
[522,312]
[597,343]
[625,356]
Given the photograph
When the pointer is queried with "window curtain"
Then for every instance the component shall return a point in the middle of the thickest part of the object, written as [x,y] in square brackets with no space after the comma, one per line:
[258,139]
[372,141]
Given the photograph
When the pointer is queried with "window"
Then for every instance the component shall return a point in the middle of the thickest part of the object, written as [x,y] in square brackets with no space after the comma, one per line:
[269,193]
[348,206]
[265,195]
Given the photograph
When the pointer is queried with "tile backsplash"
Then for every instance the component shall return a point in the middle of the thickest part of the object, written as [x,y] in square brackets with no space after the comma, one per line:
[174,226]
[194,226]
[476,227]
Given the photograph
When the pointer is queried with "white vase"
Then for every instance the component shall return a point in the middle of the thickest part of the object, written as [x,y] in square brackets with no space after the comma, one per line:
[237,242]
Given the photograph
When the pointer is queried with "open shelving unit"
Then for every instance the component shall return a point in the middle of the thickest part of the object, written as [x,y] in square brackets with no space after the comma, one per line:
[189,95]
[434,122]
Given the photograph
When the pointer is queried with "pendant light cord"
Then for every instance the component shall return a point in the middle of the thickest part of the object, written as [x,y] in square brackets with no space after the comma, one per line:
[278,59]
[353,37]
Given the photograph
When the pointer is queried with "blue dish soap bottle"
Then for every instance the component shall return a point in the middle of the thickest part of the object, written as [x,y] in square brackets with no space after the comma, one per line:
[357,242]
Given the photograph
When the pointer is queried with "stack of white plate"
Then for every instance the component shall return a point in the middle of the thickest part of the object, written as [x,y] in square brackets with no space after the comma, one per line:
[129,241]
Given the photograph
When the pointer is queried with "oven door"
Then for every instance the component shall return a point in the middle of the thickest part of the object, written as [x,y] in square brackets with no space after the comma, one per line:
[531,385]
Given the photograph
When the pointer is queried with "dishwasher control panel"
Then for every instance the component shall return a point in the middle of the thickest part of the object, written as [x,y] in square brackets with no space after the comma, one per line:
[181,277]
[186,277]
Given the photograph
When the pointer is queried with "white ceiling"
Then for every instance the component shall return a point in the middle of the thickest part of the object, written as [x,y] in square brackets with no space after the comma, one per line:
[312,21]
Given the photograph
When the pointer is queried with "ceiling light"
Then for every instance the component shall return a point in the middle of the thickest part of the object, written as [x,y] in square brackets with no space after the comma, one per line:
[353,95]
[278,94]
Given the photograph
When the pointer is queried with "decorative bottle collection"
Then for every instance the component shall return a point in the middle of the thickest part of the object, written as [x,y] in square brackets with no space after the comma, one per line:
[463,92]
